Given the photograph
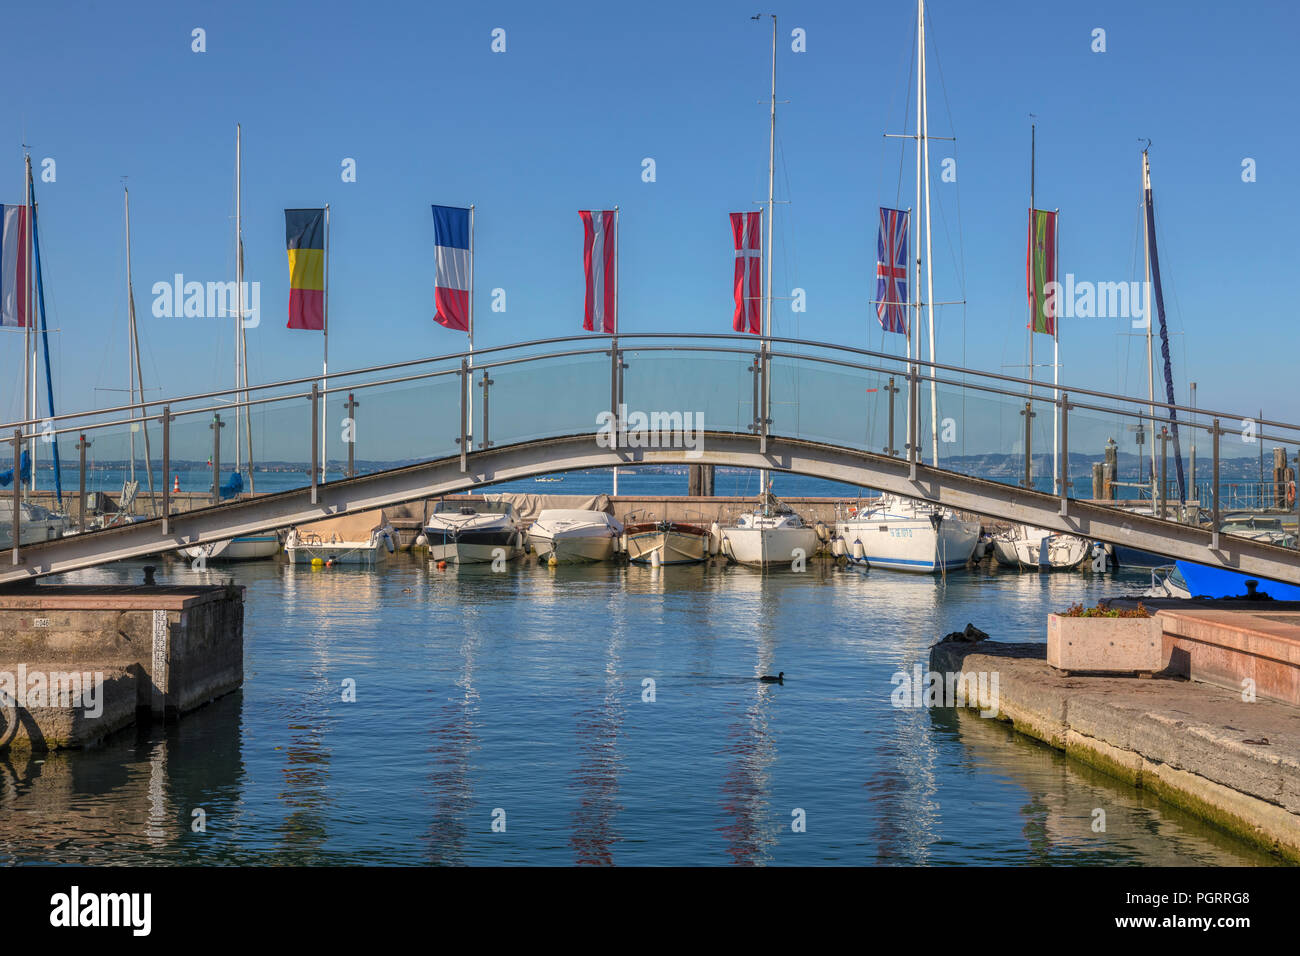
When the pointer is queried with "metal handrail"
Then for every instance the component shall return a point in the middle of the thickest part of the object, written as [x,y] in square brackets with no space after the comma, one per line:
[1039,386]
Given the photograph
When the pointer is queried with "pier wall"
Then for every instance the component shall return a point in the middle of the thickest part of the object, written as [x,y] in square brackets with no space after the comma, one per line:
[151,649]
[1232,762]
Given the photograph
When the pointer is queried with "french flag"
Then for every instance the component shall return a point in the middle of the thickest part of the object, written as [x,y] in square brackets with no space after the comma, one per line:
[451,228]
[13,266]
[599,260]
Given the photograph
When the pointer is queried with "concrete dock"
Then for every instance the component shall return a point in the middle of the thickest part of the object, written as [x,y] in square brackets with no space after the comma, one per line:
[1231,761]
[79,662]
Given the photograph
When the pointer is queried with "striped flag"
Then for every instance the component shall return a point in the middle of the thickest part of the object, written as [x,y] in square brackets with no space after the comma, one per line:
[13,266]
[304,231]
[891,269]
[1040,269]
[747,281]
[455,267]
[599,261]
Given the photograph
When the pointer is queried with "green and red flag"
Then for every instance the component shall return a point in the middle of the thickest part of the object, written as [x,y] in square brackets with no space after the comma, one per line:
[1040,271]
[305,238]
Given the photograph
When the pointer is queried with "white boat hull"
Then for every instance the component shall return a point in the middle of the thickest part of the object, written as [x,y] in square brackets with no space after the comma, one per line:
[566,548]
[768,546]
[1041,552]
[344,553]
[673,547]
[249,548]
[910,544]
[458,552]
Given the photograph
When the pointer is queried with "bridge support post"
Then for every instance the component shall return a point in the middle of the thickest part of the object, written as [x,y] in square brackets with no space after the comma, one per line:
[216,426]
[463,440]
[1064,477]
[166,420]
[315,454]
[486,384]
[351,406]
[890,450]
[913,416]
[15,527]
[755,369]
[1030,415]
[82,445]
[1214,514]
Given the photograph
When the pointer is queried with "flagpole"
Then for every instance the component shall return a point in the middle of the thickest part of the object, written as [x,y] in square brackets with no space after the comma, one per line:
[929,253]
[1033,291]
[914,333]
[765,477]
[1056,357]
[325,341]
[615,344]
[29,358]
[469,395]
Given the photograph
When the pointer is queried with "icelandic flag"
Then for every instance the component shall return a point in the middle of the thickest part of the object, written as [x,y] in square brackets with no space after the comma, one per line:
[600,263]
[13,266]
[452,279]
[747,280]
[891,270]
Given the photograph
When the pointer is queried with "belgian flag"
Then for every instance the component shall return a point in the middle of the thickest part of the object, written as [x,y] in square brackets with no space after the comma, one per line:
[305,238]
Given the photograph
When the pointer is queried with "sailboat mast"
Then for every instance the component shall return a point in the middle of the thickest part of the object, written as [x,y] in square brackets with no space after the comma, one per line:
[765,479]
[239,302]
[240,326]
[1151,374]
[137,376]
[929,249]
[1033,279]
[29,338]
[130,325]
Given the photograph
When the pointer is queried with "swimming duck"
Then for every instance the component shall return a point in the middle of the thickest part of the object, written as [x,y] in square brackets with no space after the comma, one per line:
[769,679]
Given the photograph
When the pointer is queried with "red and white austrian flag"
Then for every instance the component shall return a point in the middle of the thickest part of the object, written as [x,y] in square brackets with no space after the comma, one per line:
[747,230]
[599,258]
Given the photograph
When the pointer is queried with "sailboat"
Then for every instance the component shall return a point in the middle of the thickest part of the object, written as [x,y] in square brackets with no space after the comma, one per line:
[1026,547]
[902,534]
[771,533]
[1125,557]
[255,546]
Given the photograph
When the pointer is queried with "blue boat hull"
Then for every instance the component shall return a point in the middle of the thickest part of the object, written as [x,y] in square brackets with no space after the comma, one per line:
[1205,581]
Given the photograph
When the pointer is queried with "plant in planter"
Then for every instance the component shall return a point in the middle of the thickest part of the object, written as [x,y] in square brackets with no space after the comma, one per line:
[1105,640]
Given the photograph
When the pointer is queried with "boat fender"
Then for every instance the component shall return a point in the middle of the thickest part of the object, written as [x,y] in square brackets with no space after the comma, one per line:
[655,560]
[317,562]
[421,541]
[837,547]
[859,552]
[552,561]
[715,539]
[388,540]
[823,535]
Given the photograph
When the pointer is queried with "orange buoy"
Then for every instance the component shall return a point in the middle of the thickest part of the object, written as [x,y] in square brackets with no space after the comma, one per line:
[442,565]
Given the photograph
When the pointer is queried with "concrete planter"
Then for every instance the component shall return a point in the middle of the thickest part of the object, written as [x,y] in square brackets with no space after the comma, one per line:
[1106,645]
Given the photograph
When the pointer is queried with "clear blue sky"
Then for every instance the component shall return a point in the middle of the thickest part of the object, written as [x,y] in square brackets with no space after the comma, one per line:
[562,121]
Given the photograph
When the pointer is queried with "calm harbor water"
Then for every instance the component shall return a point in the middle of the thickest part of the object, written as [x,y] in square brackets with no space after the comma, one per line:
[523,691]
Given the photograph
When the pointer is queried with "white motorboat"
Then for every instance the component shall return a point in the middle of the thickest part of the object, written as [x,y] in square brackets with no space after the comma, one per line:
[575,535]
[473,532]
[35,524]
[365,538]
[771,535]
[905,535]
[251,547]
[1037,549]
[667,542]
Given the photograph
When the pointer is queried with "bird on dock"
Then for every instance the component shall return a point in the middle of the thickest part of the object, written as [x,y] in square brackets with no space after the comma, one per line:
[769,679]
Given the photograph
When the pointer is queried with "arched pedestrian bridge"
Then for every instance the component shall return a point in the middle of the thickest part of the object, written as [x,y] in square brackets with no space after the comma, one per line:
[453,423]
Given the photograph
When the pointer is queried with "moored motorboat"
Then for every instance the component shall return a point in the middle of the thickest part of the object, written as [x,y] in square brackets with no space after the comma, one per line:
[667,542]
[473,533]
[251,547]
[365,538]
[1036,549]
[575,535]
[905,535]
